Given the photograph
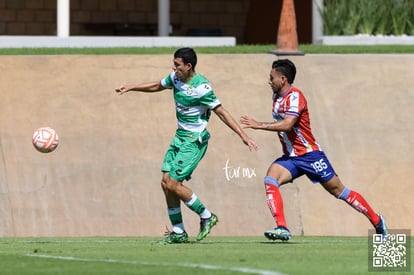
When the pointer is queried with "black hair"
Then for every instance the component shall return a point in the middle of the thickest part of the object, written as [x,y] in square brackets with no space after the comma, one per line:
[285,67]
[188,55]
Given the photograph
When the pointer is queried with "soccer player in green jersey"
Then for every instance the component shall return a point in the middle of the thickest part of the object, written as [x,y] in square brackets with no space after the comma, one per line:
[194,100]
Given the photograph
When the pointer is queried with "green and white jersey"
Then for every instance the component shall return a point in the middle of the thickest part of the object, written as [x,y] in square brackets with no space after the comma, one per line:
[193,101]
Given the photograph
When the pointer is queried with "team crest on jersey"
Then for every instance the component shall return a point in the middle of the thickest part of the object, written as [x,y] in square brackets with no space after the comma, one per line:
[189,90]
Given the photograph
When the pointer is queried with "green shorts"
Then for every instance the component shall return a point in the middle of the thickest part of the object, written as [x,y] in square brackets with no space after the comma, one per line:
[185,152]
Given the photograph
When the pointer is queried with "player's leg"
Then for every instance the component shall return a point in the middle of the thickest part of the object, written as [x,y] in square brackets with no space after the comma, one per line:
[191,155]
[335,187]
[276,176]
[174,202]
[169,186]
[186,160]
[173,191]
[207,219]
[318,168]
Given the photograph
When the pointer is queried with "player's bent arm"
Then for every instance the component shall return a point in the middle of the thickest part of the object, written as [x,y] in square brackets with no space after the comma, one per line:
[282,125]
[148,87]
[228,119]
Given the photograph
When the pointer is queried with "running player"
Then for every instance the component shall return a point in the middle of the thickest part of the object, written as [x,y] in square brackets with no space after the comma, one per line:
[194,101]
[302,155]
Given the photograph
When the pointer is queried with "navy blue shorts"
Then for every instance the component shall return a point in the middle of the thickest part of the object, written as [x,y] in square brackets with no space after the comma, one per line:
[315,165]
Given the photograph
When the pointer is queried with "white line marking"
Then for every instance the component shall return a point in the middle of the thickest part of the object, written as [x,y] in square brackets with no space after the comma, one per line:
[186,265]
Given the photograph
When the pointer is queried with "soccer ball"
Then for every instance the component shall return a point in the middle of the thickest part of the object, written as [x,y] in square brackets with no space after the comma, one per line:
[45,139]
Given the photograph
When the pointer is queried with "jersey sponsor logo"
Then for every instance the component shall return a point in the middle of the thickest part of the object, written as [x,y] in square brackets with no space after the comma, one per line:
[181,108]
[325,174]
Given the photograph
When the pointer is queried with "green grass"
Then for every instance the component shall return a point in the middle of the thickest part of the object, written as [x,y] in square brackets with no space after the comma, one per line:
[386,17]
[239,49]
[214,255]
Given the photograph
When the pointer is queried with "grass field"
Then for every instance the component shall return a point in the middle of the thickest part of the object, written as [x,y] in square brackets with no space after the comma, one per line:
[214,255]
[239,49]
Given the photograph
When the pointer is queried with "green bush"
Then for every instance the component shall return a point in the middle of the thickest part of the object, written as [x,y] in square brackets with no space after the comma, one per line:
[384,17]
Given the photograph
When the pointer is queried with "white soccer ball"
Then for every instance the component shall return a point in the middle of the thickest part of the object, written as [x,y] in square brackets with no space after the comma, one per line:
[45,139]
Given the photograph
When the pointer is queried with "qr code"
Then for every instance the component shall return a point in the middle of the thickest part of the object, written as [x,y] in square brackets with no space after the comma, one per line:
[391,252]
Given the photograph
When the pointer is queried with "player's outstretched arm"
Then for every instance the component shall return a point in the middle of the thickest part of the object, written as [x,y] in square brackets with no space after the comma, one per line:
[226,117]
[147,87]
[282,125]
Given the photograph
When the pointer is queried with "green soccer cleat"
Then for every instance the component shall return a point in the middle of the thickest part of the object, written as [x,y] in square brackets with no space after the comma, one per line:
[206,225]
[173,237]
[279,233]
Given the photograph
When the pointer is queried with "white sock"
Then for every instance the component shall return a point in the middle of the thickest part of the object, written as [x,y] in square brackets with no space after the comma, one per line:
[179,227]
[206,214]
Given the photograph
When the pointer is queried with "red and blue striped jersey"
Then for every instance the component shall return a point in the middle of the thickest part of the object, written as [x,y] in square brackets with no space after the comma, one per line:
[299,140]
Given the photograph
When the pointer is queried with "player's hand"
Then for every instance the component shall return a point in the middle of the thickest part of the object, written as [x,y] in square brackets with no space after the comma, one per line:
[249,122]
[122,90]
[251,143]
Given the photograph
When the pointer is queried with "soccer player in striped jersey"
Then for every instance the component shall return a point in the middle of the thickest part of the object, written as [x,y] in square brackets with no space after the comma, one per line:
[194,101]
[302,155]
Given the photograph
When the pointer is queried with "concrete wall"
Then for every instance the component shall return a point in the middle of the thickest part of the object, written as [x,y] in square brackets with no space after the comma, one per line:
[104,177]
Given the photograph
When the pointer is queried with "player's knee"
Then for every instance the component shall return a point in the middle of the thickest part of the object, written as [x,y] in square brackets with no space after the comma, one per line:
[171,185]
[163,185]
[166,183]
[164,180]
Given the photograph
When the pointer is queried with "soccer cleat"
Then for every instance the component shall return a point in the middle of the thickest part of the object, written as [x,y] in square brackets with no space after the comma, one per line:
[173,237]
[206,225]
[279,233]
[381,228]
